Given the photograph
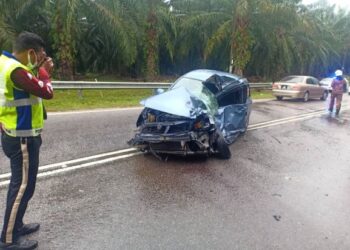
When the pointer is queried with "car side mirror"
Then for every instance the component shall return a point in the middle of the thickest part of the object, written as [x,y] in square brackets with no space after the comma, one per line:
[159,91]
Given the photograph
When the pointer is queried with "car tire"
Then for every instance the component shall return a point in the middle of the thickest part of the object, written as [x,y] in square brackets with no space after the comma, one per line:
[306,96]
[279,98]
[324,96]
[223,150]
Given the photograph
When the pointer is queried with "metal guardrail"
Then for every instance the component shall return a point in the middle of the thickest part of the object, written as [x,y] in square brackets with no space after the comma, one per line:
[261,85]
[108,85]
[128,85]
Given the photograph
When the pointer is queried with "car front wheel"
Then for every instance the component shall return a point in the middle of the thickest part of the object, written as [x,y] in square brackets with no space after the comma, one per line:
[279,98]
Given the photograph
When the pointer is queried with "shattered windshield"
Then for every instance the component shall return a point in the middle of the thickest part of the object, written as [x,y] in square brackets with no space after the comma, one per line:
[198,90]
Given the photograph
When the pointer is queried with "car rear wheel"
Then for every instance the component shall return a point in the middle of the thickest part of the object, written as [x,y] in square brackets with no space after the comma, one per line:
[279,98]
[223,150]
[306,97]
[324,96]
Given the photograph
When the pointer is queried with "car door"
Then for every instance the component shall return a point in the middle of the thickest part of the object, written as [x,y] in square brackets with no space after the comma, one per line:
[313,87]
[309,87]
[234,109]
[319,88]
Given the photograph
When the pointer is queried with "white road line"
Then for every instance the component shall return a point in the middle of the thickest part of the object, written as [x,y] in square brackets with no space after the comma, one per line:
[281,122]
[290,118]
[80,160]
[287,120]
[65,163]
[86,165]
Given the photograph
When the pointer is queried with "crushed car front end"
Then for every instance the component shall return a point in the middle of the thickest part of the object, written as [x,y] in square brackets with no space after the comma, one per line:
[161,132]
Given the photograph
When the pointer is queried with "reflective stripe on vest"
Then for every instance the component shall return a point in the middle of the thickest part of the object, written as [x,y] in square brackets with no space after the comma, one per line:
[22,133]
[20,102]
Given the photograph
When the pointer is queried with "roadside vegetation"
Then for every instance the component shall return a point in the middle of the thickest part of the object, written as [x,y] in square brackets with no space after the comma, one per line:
[153,40]
[145,39]
[93,99]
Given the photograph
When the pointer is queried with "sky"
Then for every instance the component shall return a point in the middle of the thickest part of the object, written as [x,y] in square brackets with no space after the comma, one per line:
[339,3]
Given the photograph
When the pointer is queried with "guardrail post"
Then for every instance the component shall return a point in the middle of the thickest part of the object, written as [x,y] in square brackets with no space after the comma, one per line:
[80,93]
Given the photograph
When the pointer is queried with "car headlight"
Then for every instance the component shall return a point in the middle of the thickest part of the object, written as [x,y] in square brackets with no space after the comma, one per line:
[151,118]
[202,122]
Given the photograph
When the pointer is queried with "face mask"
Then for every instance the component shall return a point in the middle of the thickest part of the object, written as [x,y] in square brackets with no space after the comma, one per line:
[30,65]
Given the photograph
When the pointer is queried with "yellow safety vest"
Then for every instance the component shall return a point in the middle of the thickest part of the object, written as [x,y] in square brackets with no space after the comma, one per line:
[21,113]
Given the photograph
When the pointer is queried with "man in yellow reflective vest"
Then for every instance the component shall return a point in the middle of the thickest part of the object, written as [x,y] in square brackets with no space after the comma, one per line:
[24,81]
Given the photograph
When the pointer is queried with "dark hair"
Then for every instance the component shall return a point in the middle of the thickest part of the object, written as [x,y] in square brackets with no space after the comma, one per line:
[27,40]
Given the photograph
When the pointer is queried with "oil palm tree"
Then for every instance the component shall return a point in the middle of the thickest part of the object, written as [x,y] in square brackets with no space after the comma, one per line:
[197,21]
[108,36]
[258,35]
[19,15]
[156,32]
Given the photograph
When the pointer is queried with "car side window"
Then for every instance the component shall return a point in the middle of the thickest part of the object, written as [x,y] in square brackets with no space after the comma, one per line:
[316,82]
[309,81]
[234,96]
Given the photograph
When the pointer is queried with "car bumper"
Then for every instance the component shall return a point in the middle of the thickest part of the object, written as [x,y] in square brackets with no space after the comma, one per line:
[152,138]
[288,93]
[188,143]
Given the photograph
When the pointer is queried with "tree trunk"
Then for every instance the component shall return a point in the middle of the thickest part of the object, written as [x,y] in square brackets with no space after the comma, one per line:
[241,40]
[152,44]
[63,44]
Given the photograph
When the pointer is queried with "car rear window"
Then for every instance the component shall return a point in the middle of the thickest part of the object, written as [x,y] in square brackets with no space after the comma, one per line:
[292,79]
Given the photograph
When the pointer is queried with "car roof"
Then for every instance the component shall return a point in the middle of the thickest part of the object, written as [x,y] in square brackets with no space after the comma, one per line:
[204,74]
[299,76]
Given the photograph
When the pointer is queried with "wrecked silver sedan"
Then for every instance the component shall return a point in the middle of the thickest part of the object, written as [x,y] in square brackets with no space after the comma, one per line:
[202,113]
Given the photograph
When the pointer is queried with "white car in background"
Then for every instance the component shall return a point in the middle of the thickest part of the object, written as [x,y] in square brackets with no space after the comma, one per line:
[326,83]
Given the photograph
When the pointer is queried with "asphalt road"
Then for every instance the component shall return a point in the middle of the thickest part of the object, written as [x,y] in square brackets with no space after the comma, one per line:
[285,187]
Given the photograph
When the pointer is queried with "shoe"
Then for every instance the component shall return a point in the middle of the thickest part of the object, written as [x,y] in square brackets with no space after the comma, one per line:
[28,229]
[19,245]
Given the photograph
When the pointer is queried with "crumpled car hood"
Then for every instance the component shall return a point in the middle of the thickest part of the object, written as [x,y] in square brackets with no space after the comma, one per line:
[177,101]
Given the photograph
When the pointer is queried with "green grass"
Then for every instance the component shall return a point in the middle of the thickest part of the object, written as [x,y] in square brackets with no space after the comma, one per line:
[65,100]
[261,94]
[91,99]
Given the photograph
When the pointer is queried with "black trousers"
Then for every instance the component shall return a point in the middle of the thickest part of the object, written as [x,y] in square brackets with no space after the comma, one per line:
[23,153]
